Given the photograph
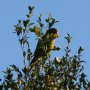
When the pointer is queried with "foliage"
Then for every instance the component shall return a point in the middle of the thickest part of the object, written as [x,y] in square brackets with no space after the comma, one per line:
[64,72]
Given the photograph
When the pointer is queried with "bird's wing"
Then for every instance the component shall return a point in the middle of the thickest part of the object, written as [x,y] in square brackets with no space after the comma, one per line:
[39,52]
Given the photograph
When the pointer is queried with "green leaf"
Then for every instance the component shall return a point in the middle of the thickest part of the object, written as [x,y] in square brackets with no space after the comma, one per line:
[30,11]
[31,29]
[40,17]
[68,38]
[15,68]
[31,8]
[26,22]
[1,87]
[18,29]
[80,50]
[31,24]
[47,20]
[24,53]
[83,75]
[41,25]
[19,21]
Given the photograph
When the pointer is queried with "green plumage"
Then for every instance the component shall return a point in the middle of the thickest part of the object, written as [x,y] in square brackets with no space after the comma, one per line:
[45,45]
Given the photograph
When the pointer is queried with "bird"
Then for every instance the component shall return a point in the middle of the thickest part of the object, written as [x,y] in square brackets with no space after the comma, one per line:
[45,45]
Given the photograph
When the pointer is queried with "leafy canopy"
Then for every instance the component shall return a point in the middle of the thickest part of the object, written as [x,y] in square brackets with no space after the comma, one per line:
[64,72]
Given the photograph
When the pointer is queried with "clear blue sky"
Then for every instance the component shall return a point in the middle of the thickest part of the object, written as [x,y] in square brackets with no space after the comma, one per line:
[74,17]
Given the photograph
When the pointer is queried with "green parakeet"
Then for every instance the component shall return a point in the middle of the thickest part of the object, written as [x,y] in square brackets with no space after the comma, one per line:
[45,45]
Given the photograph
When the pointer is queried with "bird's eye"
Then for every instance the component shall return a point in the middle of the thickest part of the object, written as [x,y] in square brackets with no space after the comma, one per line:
[55,32]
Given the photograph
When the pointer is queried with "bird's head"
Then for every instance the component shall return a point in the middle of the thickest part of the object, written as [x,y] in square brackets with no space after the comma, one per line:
[52,33]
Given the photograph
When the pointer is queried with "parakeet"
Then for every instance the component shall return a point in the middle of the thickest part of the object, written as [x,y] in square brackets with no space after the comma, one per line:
[45,45]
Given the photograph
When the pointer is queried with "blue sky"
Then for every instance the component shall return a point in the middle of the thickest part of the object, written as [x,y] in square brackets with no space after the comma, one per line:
[74,17]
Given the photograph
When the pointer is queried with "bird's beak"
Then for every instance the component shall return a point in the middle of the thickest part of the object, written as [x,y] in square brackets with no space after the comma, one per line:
[57,34]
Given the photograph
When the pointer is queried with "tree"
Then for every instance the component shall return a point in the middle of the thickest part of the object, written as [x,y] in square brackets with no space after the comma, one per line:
[63,73]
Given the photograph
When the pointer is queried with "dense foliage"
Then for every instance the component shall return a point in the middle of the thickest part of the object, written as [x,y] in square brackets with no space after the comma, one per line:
[63,73]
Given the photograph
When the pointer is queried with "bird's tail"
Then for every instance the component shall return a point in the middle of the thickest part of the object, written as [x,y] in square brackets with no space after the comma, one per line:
[33,61]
